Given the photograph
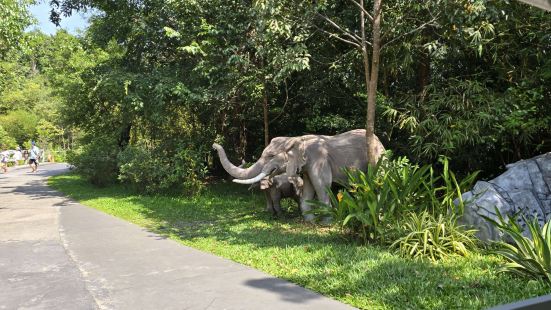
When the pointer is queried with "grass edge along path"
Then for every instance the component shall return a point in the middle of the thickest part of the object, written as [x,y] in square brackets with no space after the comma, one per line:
[230,222]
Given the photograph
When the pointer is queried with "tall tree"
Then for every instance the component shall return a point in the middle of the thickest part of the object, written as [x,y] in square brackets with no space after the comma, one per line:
[371,59]
[14,18]
[374,78]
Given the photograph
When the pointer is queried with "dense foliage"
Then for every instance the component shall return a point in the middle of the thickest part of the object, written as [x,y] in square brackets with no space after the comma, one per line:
[14,17]
[149,172]
[465,79]
[32,90]
[96,160]
[401,203]
[6,141]
[372,201]
[526,256]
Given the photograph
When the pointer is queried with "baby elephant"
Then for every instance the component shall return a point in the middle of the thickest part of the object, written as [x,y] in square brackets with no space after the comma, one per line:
[276,188]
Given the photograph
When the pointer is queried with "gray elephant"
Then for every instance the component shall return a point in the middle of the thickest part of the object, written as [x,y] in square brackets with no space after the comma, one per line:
[320,160]
[275,188]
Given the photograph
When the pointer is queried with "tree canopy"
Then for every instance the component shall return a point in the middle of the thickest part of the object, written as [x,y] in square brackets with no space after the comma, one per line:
[465,79]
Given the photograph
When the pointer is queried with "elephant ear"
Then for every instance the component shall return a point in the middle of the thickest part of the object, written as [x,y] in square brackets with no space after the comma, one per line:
[296,159]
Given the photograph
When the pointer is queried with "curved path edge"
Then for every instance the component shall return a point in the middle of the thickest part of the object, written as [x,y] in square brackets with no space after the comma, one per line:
[102,262]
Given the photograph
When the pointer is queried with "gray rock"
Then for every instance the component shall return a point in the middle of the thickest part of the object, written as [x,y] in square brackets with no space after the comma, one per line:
[523,190]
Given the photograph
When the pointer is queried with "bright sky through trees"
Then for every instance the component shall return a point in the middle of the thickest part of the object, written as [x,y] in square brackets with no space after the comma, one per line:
[41,11]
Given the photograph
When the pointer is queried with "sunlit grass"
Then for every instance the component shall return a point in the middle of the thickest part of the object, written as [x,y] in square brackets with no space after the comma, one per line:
[229,221]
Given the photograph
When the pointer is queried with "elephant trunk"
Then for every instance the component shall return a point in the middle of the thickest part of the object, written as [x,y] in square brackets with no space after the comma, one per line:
[234,171]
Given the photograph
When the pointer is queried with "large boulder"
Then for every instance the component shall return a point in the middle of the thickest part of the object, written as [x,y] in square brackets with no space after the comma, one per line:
[524,189]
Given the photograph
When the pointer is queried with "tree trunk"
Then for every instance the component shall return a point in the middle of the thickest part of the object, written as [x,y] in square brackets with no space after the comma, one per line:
[124,137]
[266,120]
[63,138]
[366,74]
[423,71]
[34,69]
[371,140]
[242,139]
[364,50]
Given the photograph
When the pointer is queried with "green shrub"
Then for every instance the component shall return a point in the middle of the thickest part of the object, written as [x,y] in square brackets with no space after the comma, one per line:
[372,203]
[445,196]
[191,169]
[151,171]
[368,205]
[526,257]
[96,160]
[6,141]
[424,236]
[59,155]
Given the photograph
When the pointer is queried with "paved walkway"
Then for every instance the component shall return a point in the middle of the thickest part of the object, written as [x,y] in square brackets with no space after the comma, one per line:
[57,254]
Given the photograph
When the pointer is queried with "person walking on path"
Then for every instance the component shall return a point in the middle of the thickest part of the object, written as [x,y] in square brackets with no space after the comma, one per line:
[17,156]
[4,161]
[33,157]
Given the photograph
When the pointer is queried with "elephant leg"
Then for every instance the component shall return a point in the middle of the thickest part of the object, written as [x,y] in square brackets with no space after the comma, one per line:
[276,199]
[308,193]
[269,202]
[321,185]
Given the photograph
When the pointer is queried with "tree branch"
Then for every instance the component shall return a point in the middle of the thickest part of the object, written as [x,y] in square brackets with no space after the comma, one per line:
[410,32]
[334,35]
[363,9]
[352,36]
[284,104]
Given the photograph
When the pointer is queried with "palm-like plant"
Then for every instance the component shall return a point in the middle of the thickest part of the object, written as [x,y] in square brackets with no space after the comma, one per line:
[432,237]
[371,200]
[528,257]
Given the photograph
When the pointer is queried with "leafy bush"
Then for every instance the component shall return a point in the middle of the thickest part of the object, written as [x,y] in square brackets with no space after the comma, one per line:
[20,125]
[59,155]
[473,123]
[6,141]
[140,168]
[191,169]
[446,190]
[527,257]
[96,160]
[434,238]
[372,203]
[151,171]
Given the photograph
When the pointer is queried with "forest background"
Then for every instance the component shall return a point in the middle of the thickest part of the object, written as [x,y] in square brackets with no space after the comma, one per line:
[155,83]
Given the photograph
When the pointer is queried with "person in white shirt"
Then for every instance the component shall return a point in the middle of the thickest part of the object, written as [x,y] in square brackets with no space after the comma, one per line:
[34,153]
[4,161]
[17,156]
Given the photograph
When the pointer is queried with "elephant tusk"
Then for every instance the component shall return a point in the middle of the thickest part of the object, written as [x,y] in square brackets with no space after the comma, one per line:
[251,181]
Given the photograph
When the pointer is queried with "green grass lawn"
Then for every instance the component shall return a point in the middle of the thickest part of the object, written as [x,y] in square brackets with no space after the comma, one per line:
[229,221]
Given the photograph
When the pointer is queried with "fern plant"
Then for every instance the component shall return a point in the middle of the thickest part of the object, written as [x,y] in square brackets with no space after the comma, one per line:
[526,257]
[433,238]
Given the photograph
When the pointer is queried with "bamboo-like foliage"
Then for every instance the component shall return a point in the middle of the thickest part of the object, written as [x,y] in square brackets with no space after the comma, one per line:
[526,257]
[433,238]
